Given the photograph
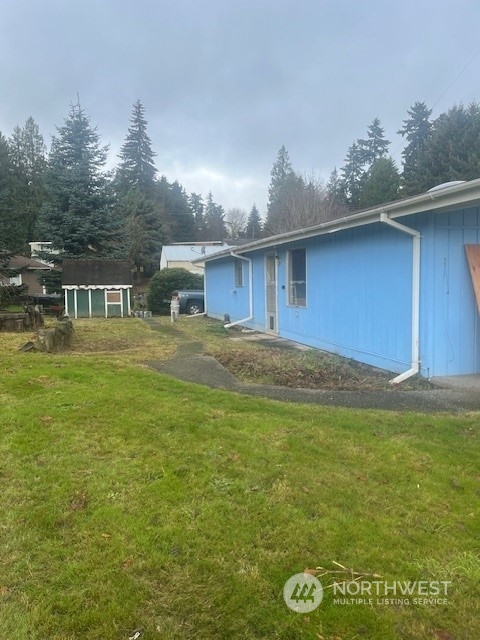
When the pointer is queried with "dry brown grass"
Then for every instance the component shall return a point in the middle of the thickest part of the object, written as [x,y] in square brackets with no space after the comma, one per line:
[111,338]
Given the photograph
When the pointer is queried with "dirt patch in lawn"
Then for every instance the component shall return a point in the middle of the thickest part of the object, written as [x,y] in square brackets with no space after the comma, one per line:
[311,369]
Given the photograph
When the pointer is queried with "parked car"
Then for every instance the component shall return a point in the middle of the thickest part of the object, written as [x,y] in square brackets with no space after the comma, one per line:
[191,302]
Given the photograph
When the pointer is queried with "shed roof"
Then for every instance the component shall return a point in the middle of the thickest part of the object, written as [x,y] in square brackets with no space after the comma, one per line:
[96,272]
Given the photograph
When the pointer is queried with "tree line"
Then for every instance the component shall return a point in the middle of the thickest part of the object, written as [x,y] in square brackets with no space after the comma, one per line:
[67,196]
[436,151]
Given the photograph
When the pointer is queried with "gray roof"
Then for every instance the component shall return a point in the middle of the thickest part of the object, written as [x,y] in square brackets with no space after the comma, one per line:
[96,272]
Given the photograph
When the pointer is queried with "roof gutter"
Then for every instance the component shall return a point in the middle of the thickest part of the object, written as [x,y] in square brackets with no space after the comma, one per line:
[250,292]
[443,199]
[415,235]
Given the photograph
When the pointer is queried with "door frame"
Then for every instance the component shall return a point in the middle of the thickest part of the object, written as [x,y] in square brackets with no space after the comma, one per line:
[271,317]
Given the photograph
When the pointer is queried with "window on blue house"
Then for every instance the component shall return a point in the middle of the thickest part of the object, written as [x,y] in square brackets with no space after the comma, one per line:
[238,272]
[297,277]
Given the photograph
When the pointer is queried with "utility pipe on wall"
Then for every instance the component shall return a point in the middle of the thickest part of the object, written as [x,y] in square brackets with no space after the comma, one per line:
[415,235]
[250,292]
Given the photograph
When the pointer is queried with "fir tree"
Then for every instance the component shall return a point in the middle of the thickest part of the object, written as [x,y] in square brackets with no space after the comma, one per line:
[375,146]
[12,234]
[180,213]
[197,207]
[452,150]
[381,183]
[353,175]
[416,130]
[215,228]
[28,155]
[253,229]
[281,192]
[77,219]
[136,169]
[144,235]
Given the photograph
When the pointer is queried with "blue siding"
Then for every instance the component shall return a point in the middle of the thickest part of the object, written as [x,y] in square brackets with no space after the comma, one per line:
[224,298]
[350,308]
[359,290]
[450,327]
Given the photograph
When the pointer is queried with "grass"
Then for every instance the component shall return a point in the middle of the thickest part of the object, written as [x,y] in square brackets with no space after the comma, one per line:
[130,500]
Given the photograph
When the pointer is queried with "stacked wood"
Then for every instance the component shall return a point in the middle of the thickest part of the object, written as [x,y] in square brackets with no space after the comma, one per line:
[14,322]
[30,319]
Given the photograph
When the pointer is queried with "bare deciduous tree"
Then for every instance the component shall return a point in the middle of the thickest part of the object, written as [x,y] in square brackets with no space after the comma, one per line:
[236,221]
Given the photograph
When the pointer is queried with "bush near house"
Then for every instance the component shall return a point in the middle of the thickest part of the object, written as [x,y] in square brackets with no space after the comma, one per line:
[165,282]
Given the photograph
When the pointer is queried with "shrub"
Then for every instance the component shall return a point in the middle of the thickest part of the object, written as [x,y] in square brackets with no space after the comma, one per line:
[165,282]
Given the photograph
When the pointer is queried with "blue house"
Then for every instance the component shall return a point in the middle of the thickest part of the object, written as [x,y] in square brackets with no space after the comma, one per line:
[393,286]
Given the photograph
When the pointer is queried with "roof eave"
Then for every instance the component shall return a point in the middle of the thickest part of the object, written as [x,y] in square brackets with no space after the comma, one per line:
[443,199]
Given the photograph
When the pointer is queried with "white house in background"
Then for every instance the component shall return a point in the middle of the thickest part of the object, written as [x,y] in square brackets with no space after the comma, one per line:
[183,254]
[39,248]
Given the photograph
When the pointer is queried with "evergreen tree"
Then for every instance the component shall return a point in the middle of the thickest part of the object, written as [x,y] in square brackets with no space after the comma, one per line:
[197,207]
[452,150]
[283,191]
[416,130]
[136,169]
[375,146]
[28,154]
[12,234]
[77,218]
[253,229]
[215,228]
[181,215]
[144,236]
[381,183]
[334,188]
[353,175]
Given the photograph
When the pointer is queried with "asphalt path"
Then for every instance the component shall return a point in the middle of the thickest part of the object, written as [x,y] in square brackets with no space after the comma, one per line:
[191,365]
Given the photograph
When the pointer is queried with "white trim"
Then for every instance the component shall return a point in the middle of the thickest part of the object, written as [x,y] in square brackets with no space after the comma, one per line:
[275,330]
[96,286]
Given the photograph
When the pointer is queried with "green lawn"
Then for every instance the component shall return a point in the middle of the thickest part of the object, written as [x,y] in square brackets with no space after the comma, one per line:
[132,500]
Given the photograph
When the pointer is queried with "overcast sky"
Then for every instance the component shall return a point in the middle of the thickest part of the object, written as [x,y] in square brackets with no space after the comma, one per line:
[226,83]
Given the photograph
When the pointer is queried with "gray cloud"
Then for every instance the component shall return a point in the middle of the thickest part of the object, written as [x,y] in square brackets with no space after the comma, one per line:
[226,83]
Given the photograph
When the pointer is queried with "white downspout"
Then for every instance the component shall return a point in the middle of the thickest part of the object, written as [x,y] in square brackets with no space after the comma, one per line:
[414,369]
[250,293]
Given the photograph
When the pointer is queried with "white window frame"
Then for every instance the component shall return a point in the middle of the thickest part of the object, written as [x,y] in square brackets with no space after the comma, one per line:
[293,286]
[238,267]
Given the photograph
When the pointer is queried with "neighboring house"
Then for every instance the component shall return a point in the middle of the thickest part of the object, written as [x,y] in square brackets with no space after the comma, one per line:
[393,286]
[29,271]
[38,250]
[182,255]
[97,288]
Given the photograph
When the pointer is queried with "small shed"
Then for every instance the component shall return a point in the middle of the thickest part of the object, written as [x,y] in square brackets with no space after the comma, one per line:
[97,288]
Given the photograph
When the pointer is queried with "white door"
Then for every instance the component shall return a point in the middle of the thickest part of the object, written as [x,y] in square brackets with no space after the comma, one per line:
[271,293]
